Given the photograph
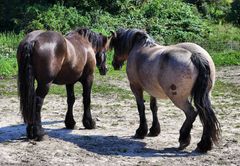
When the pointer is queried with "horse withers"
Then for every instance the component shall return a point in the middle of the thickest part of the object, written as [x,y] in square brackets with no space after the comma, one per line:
[48,57]
[180,72]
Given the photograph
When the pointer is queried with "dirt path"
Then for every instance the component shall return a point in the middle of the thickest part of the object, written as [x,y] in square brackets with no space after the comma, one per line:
[229,74]
[111,142]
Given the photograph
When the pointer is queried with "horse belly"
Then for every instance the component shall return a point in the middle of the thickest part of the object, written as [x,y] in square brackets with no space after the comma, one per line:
[67,77]
[155,91]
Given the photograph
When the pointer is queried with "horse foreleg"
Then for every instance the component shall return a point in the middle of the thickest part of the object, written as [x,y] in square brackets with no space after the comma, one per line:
[141,132]
[88,122]
[185,130]
[35,130]
[155,129]
[69,120]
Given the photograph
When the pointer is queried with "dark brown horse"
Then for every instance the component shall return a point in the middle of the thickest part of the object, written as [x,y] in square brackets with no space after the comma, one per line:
[177,72]
[48,57]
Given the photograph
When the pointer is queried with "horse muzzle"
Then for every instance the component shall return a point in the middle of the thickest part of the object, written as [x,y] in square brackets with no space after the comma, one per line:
[116,66]
[103,71]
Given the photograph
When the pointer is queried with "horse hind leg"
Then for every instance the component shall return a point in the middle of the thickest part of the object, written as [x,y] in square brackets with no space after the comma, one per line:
[69,120]
[185,130]
[35,130]
[155,129]
[88,122]
[211,126]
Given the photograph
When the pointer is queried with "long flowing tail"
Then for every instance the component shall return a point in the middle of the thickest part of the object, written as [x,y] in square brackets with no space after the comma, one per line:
[200,94]
[26,90]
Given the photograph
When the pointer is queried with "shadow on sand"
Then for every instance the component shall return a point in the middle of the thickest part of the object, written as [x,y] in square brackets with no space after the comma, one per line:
[103,145]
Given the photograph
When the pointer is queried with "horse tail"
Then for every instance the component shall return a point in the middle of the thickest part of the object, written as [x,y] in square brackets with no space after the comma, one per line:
[26,90]
[200,94]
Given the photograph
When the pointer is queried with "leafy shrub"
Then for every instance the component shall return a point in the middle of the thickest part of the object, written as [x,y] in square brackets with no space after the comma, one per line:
[8,44]
[226,58]
[234,15]
[222,38]
[57,18]
[175,21]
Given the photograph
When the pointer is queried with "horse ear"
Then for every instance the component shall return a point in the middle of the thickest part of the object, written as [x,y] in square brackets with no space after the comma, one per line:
[108,43]
[114,34]
[139,35]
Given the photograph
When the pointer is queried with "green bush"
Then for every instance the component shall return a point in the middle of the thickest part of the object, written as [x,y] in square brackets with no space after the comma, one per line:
[57,18]
[8,44]
[175,21]
[226,58]
[222,38]
[234,15]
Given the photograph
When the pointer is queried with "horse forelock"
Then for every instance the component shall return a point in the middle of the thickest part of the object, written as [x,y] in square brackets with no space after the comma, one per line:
[126,38]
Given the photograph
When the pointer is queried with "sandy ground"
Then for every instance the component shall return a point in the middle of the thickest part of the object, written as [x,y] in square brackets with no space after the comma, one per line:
[111,142]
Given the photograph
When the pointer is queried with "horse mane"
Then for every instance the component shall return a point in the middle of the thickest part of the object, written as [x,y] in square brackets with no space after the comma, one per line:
[125,39]
[97,40]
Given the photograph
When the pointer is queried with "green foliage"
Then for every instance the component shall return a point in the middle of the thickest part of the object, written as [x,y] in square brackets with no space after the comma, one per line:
[58,18]
[234,15]
[167,21]
[8,67]
[8,44]
[222,38]
[226,58]
[175,21]
[8,47]
[218,10]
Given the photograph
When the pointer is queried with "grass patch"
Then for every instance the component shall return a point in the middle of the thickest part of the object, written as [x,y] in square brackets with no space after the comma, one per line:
[226,59]
[8,87]
[226,89]
[226,97]
[8,67]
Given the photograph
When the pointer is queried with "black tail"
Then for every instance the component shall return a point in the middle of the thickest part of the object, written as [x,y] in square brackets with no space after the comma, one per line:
[200,94]
[26,90]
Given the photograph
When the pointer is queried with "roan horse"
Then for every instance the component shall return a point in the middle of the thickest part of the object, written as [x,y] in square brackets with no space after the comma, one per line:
[48,57]
[180,72]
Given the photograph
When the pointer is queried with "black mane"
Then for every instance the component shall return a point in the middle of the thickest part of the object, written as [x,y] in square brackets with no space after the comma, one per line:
[97,40]
[125,39]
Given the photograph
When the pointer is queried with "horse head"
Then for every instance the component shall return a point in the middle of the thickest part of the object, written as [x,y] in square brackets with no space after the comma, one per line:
[99,43]
[101,56]
[123,41]
[117,61]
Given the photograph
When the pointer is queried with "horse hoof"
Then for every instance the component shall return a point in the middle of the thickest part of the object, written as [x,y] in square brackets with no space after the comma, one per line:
[203,147]
[70,125]
[89,124]
[140,133]
[150,134]
[136,136]
[41,138]
[35,132]
[154,132]
[183,146]
[199,150]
